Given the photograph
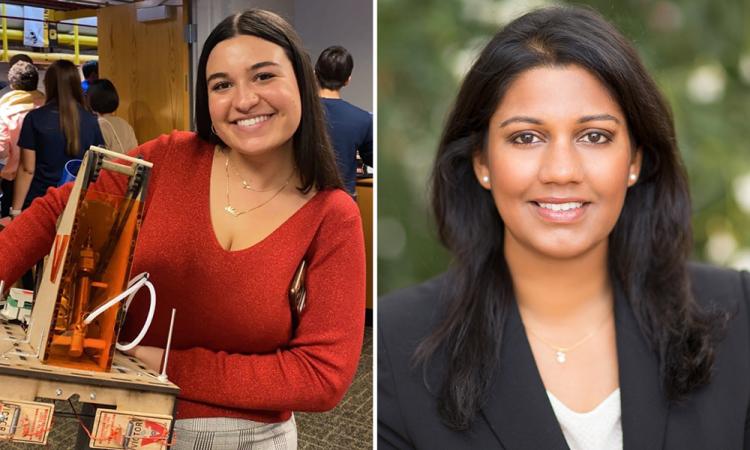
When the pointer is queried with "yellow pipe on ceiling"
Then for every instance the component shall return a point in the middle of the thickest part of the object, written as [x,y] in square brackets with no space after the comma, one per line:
[52,57]
[5,33]
[63,39]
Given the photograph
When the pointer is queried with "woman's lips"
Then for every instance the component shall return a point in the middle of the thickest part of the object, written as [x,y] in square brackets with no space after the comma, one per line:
[560,212]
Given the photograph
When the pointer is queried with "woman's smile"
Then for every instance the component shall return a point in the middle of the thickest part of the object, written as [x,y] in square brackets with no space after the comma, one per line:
[252,121]
[252,125]
[560,210]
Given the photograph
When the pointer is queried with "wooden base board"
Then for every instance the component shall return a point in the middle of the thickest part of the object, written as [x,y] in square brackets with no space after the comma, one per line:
[130,386]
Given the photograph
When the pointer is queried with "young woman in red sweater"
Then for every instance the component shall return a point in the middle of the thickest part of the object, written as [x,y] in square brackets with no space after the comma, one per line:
[230,213]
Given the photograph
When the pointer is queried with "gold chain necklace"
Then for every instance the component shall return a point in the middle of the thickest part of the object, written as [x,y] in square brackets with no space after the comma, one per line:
[561,353]
[234,212]
[245,184]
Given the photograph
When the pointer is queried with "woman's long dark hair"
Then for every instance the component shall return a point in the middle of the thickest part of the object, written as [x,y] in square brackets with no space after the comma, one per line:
[313,153]
[62,84]
[648,247]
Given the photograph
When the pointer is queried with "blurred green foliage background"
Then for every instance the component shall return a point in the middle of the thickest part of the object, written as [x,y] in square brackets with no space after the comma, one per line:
[697,50]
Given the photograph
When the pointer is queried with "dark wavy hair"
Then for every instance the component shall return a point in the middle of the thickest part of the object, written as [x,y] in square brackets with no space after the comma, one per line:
[313,153]
[648,248]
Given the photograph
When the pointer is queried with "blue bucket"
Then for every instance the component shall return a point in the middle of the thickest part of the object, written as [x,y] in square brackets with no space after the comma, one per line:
[70,171]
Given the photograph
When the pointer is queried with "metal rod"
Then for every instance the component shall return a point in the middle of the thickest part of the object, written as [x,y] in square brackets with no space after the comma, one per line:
[163,375]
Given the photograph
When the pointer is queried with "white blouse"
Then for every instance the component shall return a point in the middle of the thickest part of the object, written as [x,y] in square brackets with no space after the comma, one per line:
[598,429]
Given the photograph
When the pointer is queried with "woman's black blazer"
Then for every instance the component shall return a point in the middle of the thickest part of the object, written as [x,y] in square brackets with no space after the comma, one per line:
[517,414]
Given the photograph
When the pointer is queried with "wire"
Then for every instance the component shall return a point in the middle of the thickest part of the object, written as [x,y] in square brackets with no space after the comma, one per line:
[133,286]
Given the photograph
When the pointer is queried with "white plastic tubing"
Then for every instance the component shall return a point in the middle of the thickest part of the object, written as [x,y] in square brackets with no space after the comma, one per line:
[133,287]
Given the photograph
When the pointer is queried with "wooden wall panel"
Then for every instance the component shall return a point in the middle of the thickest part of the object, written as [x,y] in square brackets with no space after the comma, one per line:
[148,64]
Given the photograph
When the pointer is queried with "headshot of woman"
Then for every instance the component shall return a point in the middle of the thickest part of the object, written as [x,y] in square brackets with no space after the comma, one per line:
[570,316]
[232,212]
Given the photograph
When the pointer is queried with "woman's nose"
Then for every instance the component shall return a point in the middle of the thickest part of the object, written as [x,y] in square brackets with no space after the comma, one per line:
[245,98]
[561,163]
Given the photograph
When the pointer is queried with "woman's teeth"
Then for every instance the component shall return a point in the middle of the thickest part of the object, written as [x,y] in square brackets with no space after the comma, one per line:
[561,206]
[253,120]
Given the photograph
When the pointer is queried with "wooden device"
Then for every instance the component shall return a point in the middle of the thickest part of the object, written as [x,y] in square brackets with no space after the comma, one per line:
[88,265]
[68,351]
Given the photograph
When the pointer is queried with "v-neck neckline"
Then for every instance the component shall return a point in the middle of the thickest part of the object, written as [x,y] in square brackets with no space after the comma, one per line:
[519,411]
[206,211]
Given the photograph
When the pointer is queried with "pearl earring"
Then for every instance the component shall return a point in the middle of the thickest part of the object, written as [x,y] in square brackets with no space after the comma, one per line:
[485,179]
[633,177]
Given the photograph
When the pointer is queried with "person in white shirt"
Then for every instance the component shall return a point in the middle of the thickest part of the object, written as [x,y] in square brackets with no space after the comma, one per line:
[104,101]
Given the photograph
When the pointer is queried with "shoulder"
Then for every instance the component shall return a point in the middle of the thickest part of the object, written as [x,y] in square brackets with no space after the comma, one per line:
[181,150]
[338,104]
[335,205]
[362,113]
[409,315]
[39,112]
[725,291]
[87,115]
[120,121]
[357,111]
[188,139]
[719,287]
[176,140]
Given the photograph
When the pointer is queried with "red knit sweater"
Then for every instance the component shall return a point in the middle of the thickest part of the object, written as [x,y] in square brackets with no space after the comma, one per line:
[232,354]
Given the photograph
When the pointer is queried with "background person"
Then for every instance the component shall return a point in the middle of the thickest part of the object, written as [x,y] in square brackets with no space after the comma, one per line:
[90,72]
[24,79]
[60,130]
[118,135]
[13,60]
[350,127]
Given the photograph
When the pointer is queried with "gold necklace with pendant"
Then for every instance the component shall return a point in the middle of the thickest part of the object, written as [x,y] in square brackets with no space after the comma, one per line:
[245,184]
[234,212]
[561,353]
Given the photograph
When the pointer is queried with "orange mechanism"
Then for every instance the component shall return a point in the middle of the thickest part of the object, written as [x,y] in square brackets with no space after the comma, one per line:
[89,265]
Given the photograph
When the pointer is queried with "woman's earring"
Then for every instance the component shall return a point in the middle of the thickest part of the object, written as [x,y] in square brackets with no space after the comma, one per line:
[633,177]
[485,179]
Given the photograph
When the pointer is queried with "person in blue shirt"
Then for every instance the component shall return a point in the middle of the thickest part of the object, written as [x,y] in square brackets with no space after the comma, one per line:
[53,134]
[349,127]
[90,71]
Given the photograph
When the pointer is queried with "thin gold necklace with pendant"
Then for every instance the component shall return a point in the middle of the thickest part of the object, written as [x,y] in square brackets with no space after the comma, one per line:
[245,184]
[234,212]
[561,353]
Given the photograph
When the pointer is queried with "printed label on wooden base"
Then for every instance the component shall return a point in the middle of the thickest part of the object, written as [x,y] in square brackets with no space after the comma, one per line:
[27,422]
[130,430]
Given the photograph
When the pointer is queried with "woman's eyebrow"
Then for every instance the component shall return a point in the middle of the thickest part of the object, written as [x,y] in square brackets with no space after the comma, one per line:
[256,66]
[598,117]
[524,119]
[260,65]
[216,75]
